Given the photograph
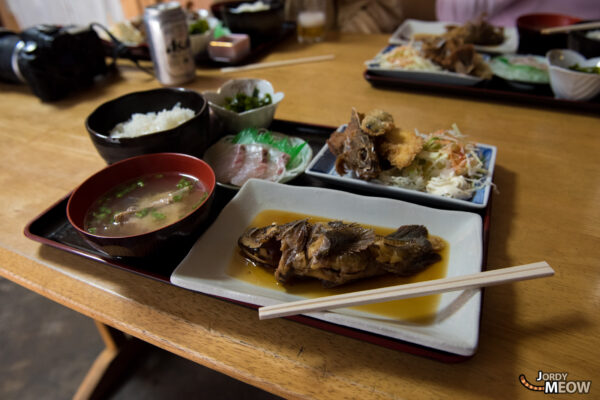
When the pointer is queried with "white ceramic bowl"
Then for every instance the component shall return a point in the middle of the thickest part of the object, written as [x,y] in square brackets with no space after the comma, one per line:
[199,41]
[569,84]
[234,122]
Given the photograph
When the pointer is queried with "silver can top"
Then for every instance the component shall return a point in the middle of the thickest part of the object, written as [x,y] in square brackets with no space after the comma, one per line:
[163,8]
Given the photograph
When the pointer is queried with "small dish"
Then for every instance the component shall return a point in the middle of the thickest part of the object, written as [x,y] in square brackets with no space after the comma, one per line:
[586,43]
[569,84]
[292,171]
[520,70]
[229,48]
[531,39]
[199,41]
[443,77]
[260,25]
[149,242]
[411,27]
[234,122]
[455,326]
[323,167]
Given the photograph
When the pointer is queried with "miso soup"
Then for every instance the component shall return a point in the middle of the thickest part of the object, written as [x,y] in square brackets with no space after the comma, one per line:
[144,204]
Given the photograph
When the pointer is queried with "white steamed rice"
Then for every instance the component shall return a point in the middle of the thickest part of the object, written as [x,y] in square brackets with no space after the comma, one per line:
[152,122]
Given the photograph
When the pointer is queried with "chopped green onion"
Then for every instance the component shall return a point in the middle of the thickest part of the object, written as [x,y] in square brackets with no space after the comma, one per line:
[197,204]
[183,183]
[158,215]
[142,213]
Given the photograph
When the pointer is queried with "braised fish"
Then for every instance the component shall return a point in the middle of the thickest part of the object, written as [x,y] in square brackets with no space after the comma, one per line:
[337,252]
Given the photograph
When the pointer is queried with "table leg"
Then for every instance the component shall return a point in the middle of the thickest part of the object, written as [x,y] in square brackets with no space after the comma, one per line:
[112,364]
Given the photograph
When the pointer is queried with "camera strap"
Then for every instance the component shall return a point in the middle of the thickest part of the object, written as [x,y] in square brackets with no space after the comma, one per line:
[121,50]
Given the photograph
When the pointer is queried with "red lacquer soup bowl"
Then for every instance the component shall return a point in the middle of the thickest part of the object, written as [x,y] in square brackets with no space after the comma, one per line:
[104,187]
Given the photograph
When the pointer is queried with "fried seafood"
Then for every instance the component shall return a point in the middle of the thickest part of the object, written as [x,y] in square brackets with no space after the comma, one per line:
[377,122]
[442,163]
[478,32]
[337,252]
[452,54]
[355,150]
[367,139]
[400,147]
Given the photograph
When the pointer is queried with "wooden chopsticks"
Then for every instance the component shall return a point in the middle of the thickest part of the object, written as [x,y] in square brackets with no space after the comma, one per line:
[481,279]
[570,28]
[280,63]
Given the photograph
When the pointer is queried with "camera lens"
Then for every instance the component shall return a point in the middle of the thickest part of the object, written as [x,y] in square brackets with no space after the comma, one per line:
[9,47]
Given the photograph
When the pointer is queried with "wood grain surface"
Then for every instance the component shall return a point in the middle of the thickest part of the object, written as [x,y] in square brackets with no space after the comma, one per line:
[546,208]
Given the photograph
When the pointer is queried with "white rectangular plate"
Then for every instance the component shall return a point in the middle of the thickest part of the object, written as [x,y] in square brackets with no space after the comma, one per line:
[455,328]
[441,77]
[322,167]
[410,27]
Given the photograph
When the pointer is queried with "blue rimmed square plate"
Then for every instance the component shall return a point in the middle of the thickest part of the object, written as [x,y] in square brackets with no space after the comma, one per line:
[322,167]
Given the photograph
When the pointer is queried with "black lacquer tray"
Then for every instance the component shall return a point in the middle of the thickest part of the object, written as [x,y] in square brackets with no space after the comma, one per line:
[496,89]
[52,228]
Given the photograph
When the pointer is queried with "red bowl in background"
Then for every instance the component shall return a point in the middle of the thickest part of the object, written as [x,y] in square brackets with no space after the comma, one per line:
[532,41]
[149,243]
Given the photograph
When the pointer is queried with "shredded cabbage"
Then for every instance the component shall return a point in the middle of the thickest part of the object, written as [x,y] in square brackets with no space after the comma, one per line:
[407,57]
[448,166]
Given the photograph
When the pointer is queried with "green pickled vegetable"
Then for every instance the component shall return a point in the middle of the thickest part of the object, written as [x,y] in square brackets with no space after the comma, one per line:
[242,102]
[199,27]
[589,70]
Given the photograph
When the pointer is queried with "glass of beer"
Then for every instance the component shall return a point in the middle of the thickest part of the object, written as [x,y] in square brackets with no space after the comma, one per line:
[311,20]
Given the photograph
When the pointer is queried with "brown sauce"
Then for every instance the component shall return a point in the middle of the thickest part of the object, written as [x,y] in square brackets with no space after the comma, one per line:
[420,310]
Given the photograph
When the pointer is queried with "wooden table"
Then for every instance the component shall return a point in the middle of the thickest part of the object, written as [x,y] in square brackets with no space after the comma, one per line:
[547,208]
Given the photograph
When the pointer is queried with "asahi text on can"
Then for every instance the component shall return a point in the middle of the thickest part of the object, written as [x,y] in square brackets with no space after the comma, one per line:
[169,42]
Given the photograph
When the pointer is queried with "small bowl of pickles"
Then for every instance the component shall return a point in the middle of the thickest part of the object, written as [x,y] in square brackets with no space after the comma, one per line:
[244,103]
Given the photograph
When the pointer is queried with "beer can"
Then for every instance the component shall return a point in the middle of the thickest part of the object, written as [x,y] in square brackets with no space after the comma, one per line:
[169,42]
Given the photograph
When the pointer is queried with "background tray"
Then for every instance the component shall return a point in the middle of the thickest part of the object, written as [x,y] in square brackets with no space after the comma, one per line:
[257,51]
[495,89]
[53,229]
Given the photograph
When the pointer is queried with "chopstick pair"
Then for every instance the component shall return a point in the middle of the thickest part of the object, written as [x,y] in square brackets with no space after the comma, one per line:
[279,63]
[481,279]
[571,28]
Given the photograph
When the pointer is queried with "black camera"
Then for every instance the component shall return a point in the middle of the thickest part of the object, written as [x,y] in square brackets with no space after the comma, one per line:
[53,60]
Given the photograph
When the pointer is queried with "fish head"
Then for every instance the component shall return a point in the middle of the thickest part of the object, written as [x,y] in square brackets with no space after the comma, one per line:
[361,157]
[261,245]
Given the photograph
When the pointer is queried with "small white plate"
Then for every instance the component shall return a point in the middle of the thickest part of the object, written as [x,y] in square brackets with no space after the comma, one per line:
[455,328]
[410,27]
[290,173]
[443,77]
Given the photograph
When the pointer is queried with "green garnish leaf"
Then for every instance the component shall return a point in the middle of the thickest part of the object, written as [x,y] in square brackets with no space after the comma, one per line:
[263,136]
